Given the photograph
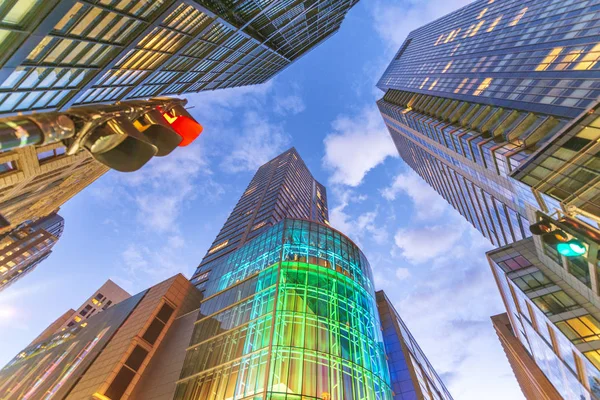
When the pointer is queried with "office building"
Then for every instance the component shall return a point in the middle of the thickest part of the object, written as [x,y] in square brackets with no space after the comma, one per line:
[531,379]
[281,188]
[37,181]
[60,53]
[24,248]
[495,106]
[471,96]
[288,312]
[411,374]
[556,323]
[106,296]
[105,356]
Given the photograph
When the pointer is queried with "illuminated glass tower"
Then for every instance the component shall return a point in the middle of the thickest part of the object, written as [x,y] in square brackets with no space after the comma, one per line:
[59,53]
[289,311]
[283,187]
[471,96]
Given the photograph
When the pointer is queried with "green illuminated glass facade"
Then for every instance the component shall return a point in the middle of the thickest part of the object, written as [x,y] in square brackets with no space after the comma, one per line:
[292,315]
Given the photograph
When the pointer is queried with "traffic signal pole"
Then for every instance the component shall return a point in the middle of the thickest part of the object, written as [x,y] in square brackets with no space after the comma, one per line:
[123,136]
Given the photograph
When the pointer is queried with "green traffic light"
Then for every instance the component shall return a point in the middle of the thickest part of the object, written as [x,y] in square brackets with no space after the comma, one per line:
[572,248]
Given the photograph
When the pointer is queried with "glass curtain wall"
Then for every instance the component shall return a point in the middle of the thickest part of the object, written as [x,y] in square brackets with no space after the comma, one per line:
[292,316]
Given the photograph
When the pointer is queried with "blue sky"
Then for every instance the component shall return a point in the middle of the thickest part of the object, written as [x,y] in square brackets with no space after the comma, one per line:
[140,228]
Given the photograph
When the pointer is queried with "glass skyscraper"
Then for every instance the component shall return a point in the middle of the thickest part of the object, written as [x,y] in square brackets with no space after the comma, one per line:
[289,308]
[288,312]
[59,53]
[471,96]
[495,106]
[411,375]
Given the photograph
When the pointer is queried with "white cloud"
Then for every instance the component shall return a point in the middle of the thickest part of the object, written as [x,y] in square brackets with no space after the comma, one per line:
[357,144]
[292,104]
[393,21]
[259,141]
[403,274]
[425,243]
[357,228]
[428,204]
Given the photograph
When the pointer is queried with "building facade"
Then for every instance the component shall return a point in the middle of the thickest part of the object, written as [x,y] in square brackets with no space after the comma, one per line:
[24,248]
[281,188]
[288,313]
[530,377]
[470,97]
[107,295]
[495,106]
[104,357]
[61,53]
[412,376]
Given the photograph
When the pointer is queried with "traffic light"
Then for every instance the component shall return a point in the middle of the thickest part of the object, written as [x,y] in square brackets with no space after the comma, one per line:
[183,123]
[142,130]
[554,234]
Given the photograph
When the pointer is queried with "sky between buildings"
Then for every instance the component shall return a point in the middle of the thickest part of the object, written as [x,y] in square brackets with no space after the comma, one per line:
[140,228]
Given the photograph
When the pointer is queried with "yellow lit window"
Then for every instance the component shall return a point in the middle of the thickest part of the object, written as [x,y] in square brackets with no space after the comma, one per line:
[570,57]
[482,13]
[77,318]
[68,17]
[460,86]
[84,324]
[259,225]
[589,59]
[447,67]
[424,82]
[218,247]
[433,83]
[518,17]
[19,11]
[476,29]
[493,25]
[3,269]
[549,59]
[95,301]
[439,39]
[468,32]
[482,86]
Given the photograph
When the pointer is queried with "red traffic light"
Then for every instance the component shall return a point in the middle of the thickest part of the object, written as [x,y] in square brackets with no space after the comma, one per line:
[182,123]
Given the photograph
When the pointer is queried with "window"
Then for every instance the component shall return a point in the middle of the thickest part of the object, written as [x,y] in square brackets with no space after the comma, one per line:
[49,154]
[514,264]
[7,166]
[578,267]
[534,281]
[580,329]
[555,303]
[157,325]
[120,384]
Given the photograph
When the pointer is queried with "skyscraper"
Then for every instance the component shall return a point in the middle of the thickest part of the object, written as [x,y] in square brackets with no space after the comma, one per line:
[288,313]
[281,188]
[530,377]
[411,374]
[24,248]
[106,296]
[470,96]
[495,106]
[61,53]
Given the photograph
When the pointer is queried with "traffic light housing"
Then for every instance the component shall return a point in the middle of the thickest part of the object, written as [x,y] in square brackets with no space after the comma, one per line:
[127,135]
[563,235]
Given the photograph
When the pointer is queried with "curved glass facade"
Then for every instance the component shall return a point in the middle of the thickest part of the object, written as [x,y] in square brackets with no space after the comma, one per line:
[292,316]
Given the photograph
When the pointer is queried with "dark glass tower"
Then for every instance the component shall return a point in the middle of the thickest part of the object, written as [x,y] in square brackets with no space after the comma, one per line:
[471,96]
[496,106]
[282,188]
[411,375]
[59,53]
